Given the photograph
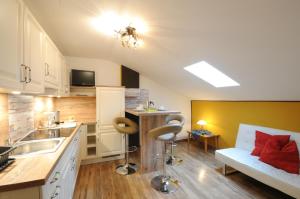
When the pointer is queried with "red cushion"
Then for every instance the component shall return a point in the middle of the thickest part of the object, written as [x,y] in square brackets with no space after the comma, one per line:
[261,139]
[285,158]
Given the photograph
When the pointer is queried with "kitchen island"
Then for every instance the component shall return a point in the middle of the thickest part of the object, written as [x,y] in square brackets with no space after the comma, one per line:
[148,146]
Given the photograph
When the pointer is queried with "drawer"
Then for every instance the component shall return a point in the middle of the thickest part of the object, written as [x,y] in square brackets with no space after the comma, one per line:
[55,193]
[52,186]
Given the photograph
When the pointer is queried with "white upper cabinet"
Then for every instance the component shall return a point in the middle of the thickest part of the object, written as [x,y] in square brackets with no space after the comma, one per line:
[64,89]
[51,64]
[29,60]
[33,53]
[10,44]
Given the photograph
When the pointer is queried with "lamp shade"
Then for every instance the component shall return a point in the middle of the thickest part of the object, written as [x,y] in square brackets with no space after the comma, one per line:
[202,122]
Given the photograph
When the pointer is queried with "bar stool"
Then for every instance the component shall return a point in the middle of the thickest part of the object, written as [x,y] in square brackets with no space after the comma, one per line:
[171,119]
[165,133]
[126,126]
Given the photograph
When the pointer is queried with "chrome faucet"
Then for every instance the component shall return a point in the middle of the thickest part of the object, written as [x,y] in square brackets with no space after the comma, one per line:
[8,142]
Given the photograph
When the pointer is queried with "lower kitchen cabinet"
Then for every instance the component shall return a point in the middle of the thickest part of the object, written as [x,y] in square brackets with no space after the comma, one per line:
[61,182]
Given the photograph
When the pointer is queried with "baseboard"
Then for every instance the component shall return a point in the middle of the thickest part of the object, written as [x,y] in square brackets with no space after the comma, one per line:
[102,159]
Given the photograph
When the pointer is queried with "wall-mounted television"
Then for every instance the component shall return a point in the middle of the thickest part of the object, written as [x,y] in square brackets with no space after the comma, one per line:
[82,78]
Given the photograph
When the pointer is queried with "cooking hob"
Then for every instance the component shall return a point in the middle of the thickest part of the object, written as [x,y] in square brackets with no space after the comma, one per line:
[49,133]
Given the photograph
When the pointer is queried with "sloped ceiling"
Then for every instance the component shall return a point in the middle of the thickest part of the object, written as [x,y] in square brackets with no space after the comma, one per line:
[255,42]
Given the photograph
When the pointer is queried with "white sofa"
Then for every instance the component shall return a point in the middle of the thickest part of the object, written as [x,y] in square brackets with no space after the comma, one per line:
[240,159]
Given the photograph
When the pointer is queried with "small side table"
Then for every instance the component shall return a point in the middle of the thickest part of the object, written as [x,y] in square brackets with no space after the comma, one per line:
[205,138]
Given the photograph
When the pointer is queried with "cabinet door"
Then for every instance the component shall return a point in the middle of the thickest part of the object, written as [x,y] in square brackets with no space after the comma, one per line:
[51,63]
[111,143]
[10,43]
[110,104]
[64,78]
[33,53]
[83,132]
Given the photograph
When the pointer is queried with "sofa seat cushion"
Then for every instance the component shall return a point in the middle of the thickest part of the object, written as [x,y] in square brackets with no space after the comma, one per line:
[242,160]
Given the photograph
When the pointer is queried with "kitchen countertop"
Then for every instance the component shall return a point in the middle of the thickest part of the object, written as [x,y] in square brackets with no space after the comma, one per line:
[149,113]
[35,170]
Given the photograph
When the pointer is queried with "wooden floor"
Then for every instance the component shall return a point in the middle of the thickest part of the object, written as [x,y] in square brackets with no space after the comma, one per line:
[199,175]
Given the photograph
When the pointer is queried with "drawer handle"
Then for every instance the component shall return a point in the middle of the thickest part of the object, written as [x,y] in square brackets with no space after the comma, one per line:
[55,178]
[56,193]
[73,167]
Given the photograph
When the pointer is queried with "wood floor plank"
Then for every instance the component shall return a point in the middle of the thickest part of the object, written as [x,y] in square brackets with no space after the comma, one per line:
[199,176]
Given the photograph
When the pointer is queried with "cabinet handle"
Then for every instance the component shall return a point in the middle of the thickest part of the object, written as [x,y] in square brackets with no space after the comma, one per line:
[55,178]
[29,70]
[23,73]
[46,69]
[56,193]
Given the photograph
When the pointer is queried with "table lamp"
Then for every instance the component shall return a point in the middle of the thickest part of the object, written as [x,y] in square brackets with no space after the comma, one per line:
[202,123]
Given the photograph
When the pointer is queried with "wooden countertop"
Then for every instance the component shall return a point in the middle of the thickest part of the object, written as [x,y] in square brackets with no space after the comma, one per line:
[35,170]
[146,113]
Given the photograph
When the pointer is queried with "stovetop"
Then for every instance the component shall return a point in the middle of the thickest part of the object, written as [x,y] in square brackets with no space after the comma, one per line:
[48,133]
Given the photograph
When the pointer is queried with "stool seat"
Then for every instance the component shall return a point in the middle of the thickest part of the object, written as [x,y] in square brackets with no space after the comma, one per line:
[163,131]
[128,126]
[166,137]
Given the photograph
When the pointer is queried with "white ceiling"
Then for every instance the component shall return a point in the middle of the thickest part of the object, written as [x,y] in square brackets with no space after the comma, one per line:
[255,42]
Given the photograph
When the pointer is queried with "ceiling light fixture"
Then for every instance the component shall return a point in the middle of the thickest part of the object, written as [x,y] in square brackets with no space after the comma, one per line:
[125,28]
[129,37]
[16,92]
[211,75]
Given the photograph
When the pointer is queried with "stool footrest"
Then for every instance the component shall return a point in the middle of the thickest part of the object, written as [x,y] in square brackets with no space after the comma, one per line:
[131,149]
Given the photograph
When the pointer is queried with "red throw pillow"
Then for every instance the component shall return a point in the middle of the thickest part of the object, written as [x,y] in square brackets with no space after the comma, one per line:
[262,138]
[260,141]
[285,158]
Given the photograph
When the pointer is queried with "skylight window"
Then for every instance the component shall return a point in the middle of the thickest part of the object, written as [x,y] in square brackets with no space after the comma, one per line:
[210,74]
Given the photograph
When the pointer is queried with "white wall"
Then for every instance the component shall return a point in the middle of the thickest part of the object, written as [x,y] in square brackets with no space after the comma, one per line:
[170,100]
[109,74]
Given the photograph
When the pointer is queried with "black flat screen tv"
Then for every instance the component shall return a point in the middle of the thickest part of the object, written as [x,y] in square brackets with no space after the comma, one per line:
[82,78]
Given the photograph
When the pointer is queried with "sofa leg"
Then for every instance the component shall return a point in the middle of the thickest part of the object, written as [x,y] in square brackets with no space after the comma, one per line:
[227,170]
[224,169]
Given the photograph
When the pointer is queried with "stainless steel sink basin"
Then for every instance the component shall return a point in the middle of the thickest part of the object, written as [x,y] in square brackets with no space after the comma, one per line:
[36,147]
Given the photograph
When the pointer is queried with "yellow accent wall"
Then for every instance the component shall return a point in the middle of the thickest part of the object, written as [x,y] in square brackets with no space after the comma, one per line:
[224,117]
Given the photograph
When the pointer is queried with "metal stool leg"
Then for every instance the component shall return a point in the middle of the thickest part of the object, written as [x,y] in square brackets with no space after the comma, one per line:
[127,168]
[163,183]
[173,159]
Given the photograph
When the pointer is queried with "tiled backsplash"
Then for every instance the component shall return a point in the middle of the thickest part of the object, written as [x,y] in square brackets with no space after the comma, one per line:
[134,97]
[3,118]
[20,115]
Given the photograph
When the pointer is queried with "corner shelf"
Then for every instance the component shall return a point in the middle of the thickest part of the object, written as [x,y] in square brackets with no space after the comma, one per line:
[91,141]
[92,151]
[91,145]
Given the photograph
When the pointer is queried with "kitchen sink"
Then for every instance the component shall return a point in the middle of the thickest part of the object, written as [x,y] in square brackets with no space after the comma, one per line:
[35,147]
